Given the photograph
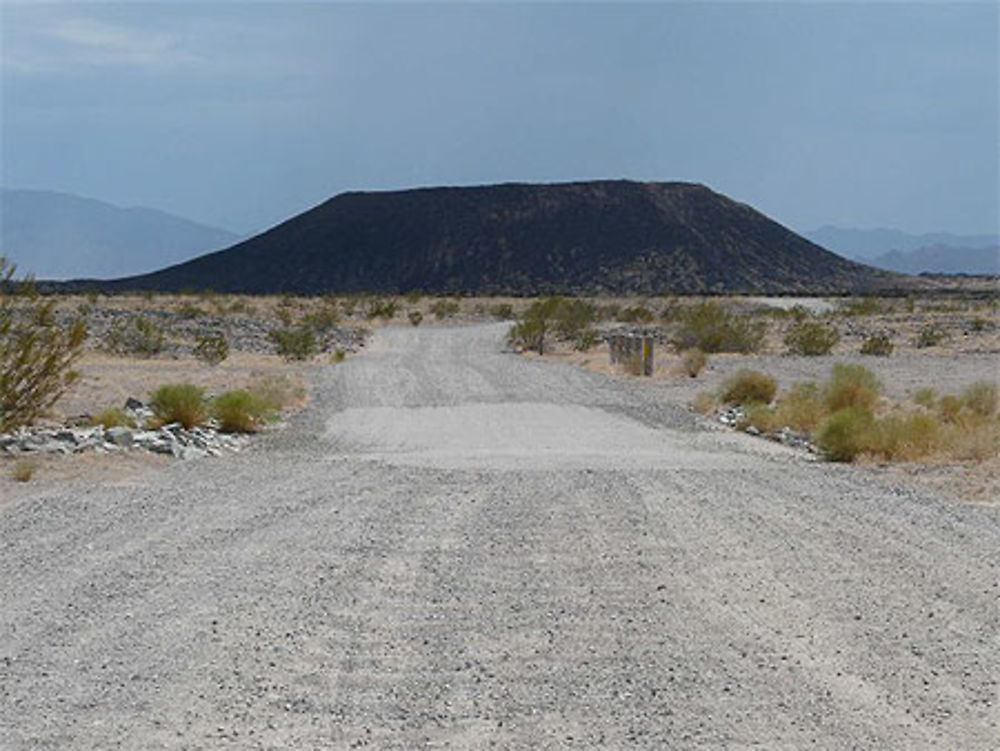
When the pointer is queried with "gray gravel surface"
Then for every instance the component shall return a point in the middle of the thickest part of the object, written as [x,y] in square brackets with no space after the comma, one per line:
[457,547]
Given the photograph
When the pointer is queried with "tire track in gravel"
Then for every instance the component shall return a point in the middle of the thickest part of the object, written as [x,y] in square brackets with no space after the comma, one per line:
[457,547]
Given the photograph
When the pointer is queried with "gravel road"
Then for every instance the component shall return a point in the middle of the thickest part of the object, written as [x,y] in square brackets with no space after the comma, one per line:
[457,547]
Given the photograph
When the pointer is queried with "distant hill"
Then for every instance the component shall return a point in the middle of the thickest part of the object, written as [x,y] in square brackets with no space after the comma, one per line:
[62,236]
[866,244]
[586,237]
[941,259]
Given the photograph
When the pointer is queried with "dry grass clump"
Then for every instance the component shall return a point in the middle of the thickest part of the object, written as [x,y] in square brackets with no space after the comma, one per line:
[278,391]
[749,387]
[800,408]
[705,403]
[851,386]
[693,361]
[115,417]
[23,470]
[241,411]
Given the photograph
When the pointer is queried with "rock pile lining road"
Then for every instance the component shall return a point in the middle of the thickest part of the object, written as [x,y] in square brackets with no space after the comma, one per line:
[172,439]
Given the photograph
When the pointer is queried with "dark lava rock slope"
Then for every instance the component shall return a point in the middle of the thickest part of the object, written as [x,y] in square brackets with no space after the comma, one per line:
[577,238]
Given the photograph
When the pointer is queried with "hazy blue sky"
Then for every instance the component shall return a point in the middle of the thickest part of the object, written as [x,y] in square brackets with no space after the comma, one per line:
[243,114]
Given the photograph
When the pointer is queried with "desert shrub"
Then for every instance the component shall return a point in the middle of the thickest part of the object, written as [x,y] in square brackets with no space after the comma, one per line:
[322,321]
[925,397]
[635,314]
[811,338]
[879,345]
[189,311]
[36,352]
[114,417]
[136,335]
[179,402]
[845,434]
[929,335]
[294,342]
[981,398]
[800,408]
[503,311]
[23,470]
[338,356]
[711,328]
[863,306]
[380,307]
[760,416]
[705,402]
[241,411]
[747,387]
[693,361]
[978,325]
[902,436]
[567,319]
[211,348]
[851,386]
[444,308]
[413,296]
[949,408]
[415,317]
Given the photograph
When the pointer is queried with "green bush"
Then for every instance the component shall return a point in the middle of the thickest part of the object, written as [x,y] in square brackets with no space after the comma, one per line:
[241,411]
[711,328]
[981,398]
[902,436]
[36,352]
[845,434]
[211,348]
[879,345]
[567,319]
[444,308]
[851,386]
[811,338]
[381,308]
[136,335]
[179,402]
[747,387]
[415,317]
[294,342]
[503,311]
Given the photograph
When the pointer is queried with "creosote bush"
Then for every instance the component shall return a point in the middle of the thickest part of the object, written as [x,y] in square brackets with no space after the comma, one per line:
[294,342]
[844,434]
[180,402]
[444,308]
[415,317]
[711,328]
[981,399]
[747,387]
[211,348]
[879,345]
[36,352]
[567,319]
[136,335]
[811,338]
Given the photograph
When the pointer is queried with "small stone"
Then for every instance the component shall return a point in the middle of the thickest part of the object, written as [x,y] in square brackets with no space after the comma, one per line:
[119,436]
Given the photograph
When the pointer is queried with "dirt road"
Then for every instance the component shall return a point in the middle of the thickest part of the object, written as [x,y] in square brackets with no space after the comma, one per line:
[457,547]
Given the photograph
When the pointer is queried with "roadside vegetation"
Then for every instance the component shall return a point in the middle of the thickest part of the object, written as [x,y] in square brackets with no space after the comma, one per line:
[847,416]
